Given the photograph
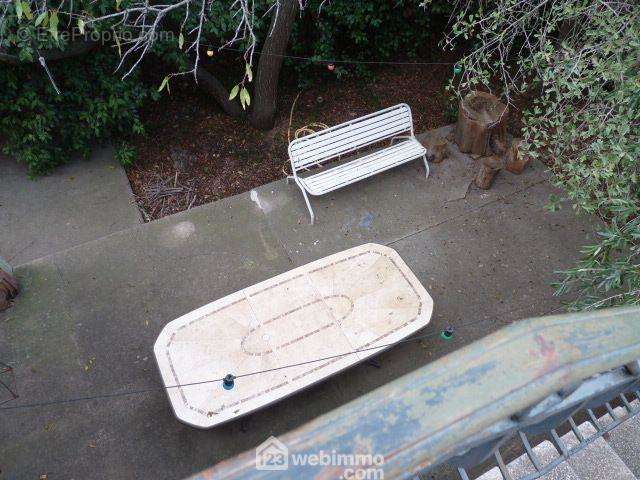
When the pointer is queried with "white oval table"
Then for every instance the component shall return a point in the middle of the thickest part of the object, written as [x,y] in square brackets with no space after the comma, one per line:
[333,313]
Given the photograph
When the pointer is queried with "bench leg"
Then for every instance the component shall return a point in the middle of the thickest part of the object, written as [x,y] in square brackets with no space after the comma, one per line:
[306,199]
[426,165]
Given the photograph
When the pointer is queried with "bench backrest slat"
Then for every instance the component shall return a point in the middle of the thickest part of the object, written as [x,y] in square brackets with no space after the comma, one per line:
[350,136]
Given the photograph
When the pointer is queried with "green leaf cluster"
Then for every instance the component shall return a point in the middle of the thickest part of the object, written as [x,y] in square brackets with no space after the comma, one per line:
[372,30]
[44,129]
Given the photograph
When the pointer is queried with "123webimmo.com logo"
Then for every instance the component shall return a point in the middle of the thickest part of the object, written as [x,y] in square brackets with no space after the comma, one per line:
[272,454]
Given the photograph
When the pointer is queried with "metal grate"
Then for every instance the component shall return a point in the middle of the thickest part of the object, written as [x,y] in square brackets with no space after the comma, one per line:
[565,451]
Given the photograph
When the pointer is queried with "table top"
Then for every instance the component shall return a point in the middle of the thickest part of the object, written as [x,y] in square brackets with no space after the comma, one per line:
[363,298]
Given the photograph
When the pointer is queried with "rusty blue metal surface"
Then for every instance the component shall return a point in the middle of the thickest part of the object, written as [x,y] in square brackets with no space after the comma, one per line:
[533,373]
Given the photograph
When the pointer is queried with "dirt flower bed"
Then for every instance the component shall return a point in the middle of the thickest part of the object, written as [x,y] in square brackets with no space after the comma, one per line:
[194,154]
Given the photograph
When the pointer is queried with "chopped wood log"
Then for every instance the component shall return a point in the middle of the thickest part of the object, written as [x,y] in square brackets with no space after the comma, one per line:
[4,298]
[437,148]
[8,289]
[499,132]
[479,114]
[516,160]
[485,176]
[489,168]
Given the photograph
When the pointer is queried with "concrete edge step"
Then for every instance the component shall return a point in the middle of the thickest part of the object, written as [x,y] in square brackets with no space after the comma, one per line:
[597,460]
[625,438]
[522,466]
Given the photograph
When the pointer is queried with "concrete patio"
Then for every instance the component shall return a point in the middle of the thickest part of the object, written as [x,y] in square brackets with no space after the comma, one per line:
[87,318]
[76,203]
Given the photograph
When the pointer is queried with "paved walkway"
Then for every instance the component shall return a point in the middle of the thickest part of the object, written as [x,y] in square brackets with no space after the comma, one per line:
[87,319]
[77,203]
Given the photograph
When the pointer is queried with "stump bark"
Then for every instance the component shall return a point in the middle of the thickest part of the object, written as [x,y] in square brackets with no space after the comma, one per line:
[516,160]
[8,288]
[500,143]
[479,115]
[490,166]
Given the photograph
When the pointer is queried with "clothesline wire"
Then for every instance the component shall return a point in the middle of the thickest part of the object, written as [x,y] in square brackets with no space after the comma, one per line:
[215,380]
[334,61]
[241,375]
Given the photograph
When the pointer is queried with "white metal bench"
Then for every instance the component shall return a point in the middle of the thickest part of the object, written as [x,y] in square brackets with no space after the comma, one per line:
[394,123]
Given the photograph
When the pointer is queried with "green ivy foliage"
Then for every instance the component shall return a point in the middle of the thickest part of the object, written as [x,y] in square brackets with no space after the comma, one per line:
[44,129]
[594,137]
[373,30]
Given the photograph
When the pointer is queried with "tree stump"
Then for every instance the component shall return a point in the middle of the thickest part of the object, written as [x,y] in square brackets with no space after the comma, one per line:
[479,115]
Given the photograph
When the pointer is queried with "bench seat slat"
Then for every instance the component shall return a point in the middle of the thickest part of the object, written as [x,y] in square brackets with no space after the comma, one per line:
[353,134]
[357,175]
[337,174]
[362,168]
[402,150]
[399,110]
[349,145]
[300,145]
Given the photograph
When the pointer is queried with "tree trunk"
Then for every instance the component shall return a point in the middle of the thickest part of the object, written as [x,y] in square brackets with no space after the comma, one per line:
[265,92]
[213,87]
[208,82]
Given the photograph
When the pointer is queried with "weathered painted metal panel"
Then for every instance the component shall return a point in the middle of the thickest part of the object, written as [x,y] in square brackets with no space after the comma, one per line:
[453,404]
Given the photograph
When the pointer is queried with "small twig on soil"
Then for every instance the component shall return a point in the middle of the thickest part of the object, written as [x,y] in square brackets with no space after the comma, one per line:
[159,197]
